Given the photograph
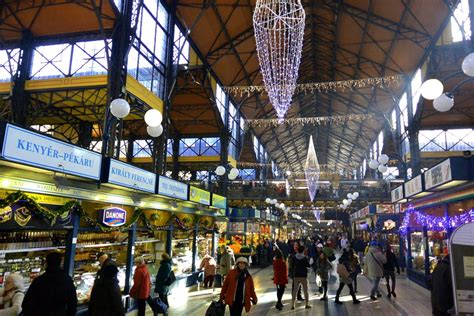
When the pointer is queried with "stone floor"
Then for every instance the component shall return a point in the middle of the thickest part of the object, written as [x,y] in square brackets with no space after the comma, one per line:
[412,300]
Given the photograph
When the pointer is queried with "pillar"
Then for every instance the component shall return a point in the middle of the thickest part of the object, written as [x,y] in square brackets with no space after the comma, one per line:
[19,98]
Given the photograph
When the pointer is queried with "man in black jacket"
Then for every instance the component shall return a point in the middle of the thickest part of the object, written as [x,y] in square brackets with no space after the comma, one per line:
[442,299]
[104,261]
[52,293]
[300,265]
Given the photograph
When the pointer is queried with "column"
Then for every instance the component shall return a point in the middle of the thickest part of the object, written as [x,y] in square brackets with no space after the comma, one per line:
[71,242]
[85,134]
[19,99]
[132,236]
[193,266]
[116,80]
[131,141]
[169,239]
[160,154]
[413,128]
[175,169]
[427,252]
[408,255]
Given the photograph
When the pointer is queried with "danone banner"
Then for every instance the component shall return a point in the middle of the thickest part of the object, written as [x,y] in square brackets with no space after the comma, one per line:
[112,216]
[219,201]
[199,195]
[42,151]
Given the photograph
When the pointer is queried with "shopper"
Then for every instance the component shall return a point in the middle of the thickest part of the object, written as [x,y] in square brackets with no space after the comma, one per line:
[12,295]
[52,293]
[354,266]
[226,263]
[291,272]
[106,297]
[140,290]
[162,276]
[324,266]
[104,261]
[280,277]
[300,267]
[442,299]
[389,270]
[344,242]
[209,265]
[375,260]
[344,279]
[238,290]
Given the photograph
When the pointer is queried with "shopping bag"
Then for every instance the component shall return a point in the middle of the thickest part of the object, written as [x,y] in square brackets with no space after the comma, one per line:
[157,305]
[318,281]
[217,308]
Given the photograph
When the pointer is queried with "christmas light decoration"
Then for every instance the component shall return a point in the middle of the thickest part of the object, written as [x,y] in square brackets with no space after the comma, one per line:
[279,30]
[330,86]
[322,120]
[312,170]
[419,218]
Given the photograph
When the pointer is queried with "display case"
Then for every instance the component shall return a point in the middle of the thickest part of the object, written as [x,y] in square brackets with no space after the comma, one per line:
[150,246]
[86,265]
[437,247]
[418,251]
[204,246]
[182,252]
[25,252]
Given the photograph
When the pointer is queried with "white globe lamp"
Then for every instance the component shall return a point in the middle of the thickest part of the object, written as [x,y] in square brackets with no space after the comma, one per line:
[444,102]
[282,205]
[345,202]
[355,195]
[373,164]
[349,201]
[119,108]
[154,131]
[153,117]
[383,159]
[382,168]
[220,170]
[274,201]
[468,65]
[349,195]
[268,200]
[431,89]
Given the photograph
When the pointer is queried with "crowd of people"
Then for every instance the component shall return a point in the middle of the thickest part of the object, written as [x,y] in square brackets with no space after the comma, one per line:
[53,292]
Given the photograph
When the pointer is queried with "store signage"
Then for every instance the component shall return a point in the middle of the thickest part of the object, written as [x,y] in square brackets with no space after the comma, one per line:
[413,186]
[439,174]
[37,150]
[385,208]
[199,195]
[113,216]
[257,213]
[219,201]
[397,194]
[120,173]
[172,188]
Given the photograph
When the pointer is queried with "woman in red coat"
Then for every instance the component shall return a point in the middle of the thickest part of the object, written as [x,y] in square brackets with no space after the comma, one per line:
[140,290]
[238,289]
[280,277]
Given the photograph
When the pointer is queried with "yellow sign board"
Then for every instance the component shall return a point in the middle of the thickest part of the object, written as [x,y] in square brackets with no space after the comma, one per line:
[199,195]
[40,198]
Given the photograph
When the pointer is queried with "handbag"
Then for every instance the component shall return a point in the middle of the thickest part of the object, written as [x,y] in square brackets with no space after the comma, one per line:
[318,281]
[157,305]
[217,308]
[170,279]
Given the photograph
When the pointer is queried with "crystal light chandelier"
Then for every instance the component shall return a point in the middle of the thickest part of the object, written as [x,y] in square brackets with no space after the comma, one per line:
[312,170]
[279,29]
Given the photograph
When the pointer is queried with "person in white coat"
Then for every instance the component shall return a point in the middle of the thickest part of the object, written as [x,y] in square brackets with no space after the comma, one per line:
[12,295]
[375,260]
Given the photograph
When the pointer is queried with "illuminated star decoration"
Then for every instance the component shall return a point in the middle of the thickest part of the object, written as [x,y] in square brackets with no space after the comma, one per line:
[279,30]
[317,214]
[312,170]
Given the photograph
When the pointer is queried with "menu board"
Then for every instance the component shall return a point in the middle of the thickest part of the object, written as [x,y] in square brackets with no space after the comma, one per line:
[439,174]
[397,194]
[413,186]
[385,208]
[219,201]
[199,195]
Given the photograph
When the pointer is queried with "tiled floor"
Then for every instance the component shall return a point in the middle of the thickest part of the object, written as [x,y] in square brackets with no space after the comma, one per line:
[412,300]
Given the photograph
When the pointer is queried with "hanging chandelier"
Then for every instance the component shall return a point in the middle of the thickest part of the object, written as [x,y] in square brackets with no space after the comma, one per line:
[279,29]
[312,170]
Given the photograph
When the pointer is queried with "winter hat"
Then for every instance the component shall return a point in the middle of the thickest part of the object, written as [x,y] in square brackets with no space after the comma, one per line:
[320,246]
[241,259]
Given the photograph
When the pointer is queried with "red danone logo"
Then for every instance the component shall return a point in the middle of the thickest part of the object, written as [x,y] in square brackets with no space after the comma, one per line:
[113,216]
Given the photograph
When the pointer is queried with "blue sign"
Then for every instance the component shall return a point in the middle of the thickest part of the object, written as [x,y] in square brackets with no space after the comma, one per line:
[113,216]
[37,150]
[172,188]
[129,176]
